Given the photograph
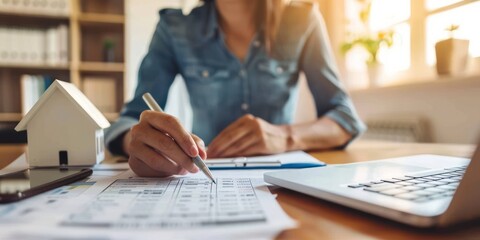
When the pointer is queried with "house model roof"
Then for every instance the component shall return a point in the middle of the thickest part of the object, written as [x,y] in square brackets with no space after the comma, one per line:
[71,93]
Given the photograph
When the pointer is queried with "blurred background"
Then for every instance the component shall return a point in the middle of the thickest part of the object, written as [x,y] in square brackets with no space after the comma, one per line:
[412,67]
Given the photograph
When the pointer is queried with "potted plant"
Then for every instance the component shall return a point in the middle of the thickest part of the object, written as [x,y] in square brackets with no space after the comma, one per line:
[108,50]
[451,53]
[370,41]
[372,45]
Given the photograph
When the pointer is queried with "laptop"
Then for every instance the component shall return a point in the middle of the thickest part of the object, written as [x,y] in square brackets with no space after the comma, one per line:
[419,190]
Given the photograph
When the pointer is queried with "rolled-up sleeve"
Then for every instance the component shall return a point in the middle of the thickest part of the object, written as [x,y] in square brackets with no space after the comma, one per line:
[156,74]
[318,64]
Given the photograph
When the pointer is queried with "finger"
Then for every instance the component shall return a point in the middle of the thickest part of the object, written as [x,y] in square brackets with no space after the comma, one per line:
[233,125]
[201,146]
[142,169]
[164,144]
[253,150]
[218,141]
[227,139]
[238,148]
[169,124]
[155,160]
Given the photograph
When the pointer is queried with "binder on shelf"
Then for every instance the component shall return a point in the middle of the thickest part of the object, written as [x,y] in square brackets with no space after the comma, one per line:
[45,7]
[34,46]
[63,44]
[32,88]
[53,55]
[3,47]
[6,96]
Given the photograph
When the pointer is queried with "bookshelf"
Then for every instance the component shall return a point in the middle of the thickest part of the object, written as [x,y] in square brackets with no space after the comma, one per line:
[93,25]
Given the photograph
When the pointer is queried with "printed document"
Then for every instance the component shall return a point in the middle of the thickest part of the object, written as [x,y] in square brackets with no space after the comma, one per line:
[123,206]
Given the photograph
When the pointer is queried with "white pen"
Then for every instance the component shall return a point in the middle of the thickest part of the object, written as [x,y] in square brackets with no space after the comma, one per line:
[197,160]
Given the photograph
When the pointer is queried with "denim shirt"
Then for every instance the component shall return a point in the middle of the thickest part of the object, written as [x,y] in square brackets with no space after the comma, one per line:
[222,88]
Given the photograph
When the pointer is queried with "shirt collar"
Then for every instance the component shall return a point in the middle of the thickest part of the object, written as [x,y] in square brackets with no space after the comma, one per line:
[211,25]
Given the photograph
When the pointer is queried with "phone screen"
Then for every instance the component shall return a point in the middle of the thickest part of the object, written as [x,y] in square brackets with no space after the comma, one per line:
[30,178]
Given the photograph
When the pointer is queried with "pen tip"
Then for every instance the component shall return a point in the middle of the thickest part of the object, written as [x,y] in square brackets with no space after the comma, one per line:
[214,181]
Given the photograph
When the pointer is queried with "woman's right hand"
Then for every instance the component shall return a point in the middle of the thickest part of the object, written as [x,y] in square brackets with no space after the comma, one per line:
[159,146]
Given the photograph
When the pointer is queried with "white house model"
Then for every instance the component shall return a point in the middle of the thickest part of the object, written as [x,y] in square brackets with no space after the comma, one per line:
[64,128]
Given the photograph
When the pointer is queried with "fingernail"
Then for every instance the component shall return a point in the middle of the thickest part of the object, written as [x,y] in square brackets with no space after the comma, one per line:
[195,169]
[183,172]
[193,151]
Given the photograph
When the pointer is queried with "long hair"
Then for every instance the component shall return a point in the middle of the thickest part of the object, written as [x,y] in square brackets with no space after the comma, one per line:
[269,15]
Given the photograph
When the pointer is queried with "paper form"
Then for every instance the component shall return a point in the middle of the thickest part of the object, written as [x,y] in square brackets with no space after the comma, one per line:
[128,207]
[140,203]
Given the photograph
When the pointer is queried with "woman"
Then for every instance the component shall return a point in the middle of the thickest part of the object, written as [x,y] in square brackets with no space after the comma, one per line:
[240,60]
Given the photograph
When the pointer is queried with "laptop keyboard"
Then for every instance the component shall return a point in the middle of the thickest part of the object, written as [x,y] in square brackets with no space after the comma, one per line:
[418,187]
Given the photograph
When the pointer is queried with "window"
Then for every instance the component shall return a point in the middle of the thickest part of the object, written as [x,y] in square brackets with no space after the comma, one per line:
[102,144]
[97,145]
[417,26]
[466,16]
[436,4]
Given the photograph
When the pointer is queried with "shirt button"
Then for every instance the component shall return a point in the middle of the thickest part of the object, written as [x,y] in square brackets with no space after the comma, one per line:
[256,43]
[279,70]
[205,73]
[244,106]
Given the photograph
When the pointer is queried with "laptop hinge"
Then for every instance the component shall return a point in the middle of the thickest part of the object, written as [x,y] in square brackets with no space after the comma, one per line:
[464,204]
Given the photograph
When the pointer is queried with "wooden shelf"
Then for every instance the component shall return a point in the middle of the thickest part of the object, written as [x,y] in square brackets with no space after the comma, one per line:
[91,25]
[102,6]
[34,16]
[10,117]
[35,67]
[102,67]
[97,18]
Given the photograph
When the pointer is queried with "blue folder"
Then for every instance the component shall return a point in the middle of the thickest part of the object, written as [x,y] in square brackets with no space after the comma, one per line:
[297,159]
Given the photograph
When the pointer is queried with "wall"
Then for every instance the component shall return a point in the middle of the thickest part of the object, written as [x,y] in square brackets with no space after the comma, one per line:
[450,106]
[141,20]
[140,25]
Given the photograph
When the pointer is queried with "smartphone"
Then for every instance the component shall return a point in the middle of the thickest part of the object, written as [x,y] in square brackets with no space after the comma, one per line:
[29,182]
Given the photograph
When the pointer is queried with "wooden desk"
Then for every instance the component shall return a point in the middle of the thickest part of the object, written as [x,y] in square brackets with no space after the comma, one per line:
[319,219]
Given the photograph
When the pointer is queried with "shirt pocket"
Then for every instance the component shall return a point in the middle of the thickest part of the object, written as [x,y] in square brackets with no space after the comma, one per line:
[278,69]
[205,74]
[209,86]
[277,78]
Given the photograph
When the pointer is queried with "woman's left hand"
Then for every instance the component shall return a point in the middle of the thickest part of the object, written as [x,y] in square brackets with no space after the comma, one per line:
[249,136]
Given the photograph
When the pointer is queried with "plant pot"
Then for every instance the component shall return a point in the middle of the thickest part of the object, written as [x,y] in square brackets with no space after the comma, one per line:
[109,54]
[375,74]
[452,56]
